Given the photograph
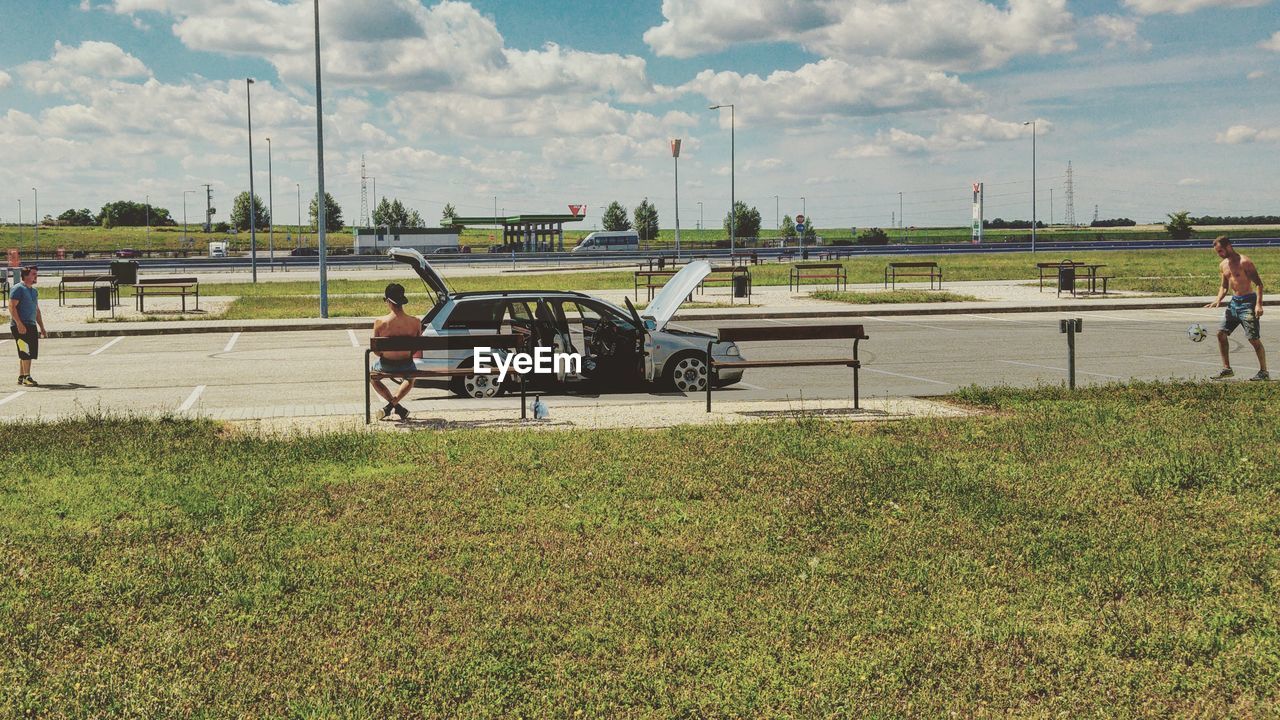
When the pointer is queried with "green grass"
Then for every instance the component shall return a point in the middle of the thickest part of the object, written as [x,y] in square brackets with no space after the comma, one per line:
[893,296]
[1109,553]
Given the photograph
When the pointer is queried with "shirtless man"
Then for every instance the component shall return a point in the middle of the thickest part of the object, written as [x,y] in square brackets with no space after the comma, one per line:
[1239,276]
[396,324]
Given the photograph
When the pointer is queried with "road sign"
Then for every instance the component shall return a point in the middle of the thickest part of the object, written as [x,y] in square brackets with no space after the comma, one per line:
[799,219]
[577,209]
[800,227]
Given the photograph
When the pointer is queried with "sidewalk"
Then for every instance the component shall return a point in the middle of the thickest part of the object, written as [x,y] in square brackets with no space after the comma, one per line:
[768,302]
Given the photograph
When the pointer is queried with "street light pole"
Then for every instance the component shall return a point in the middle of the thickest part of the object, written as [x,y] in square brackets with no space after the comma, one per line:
[271,211]
[185,230]
[675,157]
[19,218]
[733,204]
[900,223]
[777,212]
[1032,123]
[298,240]
[253,229]
[35,222]
[324,278]
[148,198]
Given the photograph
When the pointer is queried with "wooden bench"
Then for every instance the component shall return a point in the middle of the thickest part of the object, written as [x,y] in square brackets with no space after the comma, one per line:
[168,287]
[653,280]
[726,276]
[818,271]
[786,332]
[434,343]
[85,284]
[744,258]
[1041,267]
[922,268]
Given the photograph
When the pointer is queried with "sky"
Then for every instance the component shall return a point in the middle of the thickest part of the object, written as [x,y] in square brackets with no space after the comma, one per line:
[848,110]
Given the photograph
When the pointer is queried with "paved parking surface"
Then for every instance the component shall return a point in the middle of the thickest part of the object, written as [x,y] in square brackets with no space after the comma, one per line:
[317,373]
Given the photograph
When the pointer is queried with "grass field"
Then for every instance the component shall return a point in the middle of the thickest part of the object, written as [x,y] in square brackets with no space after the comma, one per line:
[1110,553]
[171,238]
[1173,272]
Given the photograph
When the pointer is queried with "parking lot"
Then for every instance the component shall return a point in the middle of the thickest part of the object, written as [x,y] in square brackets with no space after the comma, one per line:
[318,373]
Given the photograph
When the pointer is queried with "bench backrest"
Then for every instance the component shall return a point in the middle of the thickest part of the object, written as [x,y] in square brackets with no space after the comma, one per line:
[447,342]
[168,281]
[817,266]
[792,332]
[655,273]
[85,278]
[920,264]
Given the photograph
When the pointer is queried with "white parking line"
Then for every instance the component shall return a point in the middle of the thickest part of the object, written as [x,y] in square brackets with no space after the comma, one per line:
[993,317]
[232,342]
[748,386]
[13,396]
[1193,362]
[912,323]
[191,399]
[354,342]
[104,347]
[1202,315]
[1060,369]
[909,377]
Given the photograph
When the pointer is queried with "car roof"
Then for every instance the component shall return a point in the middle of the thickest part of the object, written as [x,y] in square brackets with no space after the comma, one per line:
[514,293]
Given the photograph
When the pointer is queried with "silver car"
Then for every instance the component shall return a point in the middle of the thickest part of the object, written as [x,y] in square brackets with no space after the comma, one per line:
[619,348]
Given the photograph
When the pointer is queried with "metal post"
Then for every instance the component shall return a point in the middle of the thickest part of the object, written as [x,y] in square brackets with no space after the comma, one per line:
[1032,123]
[709,366]
[271,211]
[320,219]
[148,225]
[856,367]
[35,222]
[1071,327]
[675,157]
[298,240]
[367,418]
[253,230]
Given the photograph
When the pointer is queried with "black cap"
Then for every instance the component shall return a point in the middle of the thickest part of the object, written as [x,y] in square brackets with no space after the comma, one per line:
[395,294]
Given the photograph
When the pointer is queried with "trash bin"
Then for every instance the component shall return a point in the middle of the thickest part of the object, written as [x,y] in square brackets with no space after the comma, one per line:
[740,285]
[102,298]
[1066,279]
[804,254]
[125,271]
[662,263]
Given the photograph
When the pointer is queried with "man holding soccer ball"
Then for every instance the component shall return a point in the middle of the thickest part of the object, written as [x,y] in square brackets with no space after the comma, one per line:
[1245,308]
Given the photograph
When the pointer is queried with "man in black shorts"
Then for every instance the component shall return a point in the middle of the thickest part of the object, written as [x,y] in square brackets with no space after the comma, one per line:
[24,309]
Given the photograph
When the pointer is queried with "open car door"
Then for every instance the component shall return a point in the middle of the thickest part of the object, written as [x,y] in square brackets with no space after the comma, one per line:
[437,290]
[664,306]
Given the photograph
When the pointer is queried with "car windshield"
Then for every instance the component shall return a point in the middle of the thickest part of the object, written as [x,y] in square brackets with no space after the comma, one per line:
[616,314]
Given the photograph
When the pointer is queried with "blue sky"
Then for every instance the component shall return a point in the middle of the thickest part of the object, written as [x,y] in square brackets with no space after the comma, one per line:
[1160,105]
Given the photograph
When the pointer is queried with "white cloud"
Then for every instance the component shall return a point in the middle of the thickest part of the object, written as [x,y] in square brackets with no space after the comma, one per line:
[1240,134]
[1256,75]
[1190,181]
[399,45]
[831,90]
[949,34]
[1272,44]
[1182,7]
[80,67]
[1119,30]
[954,133]
[5,80]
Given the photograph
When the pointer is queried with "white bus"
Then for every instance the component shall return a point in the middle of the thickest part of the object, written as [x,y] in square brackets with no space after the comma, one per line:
[609,241]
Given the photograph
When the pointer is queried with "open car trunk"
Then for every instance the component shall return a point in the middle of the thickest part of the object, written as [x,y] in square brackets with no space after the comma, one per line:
[437,289]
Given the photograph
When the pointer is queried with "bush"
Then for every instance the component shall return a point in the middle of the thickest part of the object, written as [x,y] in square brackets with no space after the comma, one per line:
[873,236]
[1179,225]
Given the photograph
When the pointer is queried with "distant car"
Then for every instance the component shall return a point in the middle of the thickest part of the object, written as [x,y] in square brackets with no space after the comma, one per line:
[77,254]
[128,253]
[446,250]
[304,252]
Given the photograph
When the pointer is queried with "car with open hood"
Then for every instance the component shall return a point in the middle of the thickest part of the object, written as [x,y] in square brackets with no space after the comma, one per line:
[619,348]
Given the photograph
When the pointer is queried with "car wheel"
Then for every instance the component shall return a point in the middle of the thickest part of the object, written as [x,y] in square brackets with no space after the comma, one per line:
[688,373]
[476,386]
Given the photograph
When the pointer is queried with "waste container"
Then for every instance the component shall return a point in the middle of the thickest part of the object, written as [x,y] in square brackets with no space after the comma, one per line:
[740,285]
[1066,279]
[102,297]
[804,254]
[125,271]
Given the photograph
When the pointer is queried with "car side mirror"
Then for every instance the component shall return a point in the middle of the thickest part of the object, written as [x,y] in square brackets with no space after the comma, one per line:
[650,325]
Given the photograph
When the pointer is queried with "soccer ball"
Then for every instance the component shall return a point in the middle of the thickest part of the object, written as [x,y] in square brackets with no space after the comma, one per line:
[1197,332]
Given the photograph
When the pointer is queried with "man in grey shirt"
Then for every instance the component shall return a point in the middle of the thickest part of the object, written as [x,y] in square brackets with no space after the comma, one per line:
[24,314]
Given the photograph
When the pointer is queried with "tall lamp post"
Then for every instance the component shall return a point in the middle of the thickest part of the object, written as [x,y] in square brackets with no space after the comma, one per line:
[298,241]
[1032,123]
[185,229]
[320,219]
[271,212]
[675,157]
[148,198]
[733,205]
[35,222]
[777,212]
[699,214]
[19,218]
[253,228]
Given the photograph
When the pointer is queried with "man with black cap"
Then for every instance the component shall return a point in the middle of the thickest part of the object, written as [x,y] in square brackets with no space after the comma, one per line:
[396,324]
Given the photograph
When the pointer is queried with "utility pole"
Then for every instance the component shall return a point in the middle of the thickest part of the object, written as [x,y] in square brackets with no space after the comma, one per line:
[148,225]
[186,229]
[320,219]
[299,240]
[901,224]
[675,157]
[271,210]
[733,204]
[208,208]
[777,212]
[1032,123]
[35,222]
[253,227]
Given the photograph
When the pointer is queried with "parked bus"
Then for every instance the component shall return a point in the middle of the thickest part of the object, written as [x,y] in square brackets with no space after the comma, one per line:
[609,241]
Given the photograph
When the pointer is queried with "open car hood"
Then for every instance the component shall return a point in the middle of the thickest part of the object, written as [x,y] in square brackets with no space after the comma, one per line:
[672,295]
[414,259]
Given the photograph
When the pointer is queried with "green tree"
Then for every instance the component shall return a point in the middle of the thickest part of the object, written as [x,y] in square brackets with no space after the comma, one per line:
[415,220]
[615,217]
[76,217]
[873,236]
[646,216]
[788,228]
[240,212]
[391,214]
[332,213]
[1179,225]
[447,215]
[810,232]
[746,221]
[126,213]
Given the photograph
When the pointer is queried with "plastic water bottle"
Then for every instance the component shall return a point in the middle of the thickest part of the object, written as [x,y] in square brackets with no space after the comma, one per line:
[540,409]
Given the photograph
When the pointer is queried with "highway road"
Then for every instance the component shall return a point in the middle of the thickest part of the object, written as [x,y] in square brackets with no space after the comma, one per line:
[317,373]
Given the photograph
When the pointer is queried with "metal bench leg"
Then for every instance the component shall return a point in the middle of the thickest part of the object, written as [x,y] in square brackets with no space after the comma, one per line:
[710,369]
[856,366]
[367,415]
[524,403]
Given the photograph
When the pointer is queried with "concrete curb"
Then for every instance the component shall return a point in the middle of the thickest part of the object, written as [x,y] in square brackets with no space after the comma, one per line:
[243,326]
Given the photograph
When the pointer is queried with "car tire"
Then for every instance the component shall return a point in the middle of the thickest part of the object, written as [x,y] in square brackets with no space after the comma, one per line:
[475,386]
[687,372]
